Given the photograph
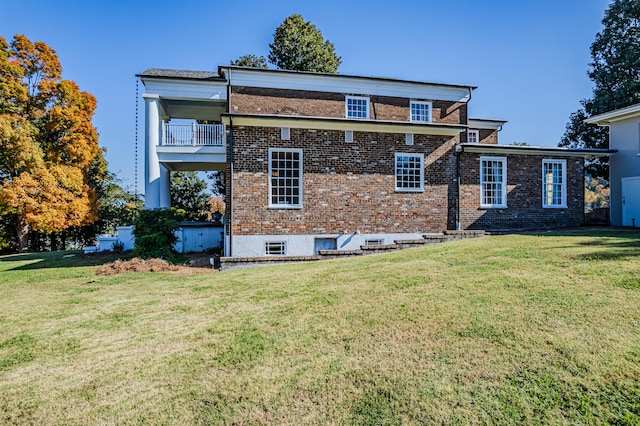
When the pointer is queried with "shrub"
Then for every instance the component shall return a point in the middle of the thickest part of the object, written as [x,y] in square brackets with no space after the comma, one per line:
[155,233]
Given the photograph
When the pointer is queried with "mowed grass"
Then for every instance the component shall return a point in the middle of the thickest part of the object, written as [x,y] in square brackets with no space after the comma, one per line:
[518,329]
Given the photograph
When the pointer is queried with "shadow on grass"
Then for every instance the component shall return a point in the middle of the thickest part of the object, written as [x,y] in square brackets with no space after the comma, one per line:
[608,243]
[59,259]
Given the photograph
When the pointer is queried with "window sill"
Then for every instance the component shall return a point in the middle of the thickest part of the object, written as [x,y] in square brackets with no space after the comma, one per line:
[408,191]
[555,207]
[278,207]
[492,207]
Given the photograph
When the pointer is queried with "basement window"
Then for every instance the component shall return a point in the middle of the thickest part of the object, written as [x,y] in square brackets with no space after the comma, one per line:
[277,248]
[373,242]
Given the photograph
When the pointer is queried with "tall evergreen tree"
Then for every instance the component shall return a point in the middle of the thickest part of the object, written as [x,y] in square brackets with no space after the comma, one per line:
[298,45]
[615,71]
[250,60]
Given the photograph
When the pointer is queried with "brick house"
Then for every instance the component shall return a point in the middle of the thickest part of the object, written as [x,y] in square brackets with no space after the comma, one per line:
[322,161]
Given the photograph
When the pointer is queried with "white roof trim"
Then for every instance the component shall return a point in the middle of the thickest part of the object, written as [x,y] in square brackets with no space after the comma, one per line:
[616,115]
[533,150]
[350,85]
[483,123]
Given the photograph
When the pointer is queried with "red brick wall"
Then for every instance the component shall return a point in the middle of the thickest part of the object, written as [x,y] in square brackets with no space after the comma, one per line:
[524,196]
[346,186]
[250,100]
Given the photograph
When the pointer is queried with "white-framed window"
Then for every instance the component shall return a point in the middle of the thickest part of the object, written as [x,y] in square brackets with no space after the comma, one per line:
[473,136]
[409,172]
[493,182]
[420,111]
[275,248]
[554,183]
[357,106]
[285,178]
[373,242]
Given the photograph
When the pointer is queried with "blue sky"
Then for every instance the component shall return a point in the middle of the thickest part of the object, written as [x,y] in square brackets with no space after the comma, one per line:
[528,58]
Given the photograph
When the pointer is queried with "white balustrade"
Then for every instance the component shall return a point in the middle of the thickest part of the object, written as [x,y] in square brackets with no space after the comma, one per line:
[192,134]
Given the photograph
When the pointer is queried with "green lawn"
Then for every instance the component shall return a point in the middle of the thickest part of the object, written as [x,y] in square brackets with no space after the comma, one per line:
[533,329]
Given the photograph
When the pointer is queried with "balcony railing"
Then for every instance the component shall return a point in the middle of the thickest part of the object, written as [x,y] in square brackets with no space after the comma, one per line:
[192,134]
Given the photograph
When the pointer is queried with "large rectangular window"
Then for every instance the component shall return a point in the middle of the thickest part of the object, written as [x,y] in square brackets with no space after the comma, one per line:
[357,107]
[493,182]
[421,111]
[409,172]
[554,183]
[285,178]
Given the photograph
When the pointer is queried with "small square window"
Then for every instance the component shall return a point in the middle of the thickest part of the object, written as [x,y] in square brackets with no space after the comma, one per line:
[277,248]
[357,107]
[421,111]
[473,136]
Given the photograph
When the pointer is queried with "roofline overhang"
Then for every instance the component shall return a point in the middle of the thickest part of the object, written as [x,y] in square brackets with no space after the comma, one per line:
[485,123]
[221,69]
[479,148]
[607,118]
[144,76]
[322,123]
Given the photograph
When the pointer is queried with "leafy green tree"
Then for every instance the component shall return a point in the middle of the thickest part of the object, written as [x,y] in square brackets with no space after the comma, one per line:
[615,71]
[251,60]
[188,193]
[298,45]
[155,233]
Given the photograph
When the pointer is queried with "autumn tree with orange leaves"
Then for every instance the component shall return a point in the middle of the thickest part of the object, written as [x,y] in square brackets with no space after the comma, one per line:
[48,144]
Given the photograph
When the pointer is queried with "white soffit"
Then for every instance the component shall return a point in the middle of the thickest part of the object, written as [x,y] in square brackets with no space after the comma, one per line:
[616,115]
[186,89]
[347,85]
[482,123]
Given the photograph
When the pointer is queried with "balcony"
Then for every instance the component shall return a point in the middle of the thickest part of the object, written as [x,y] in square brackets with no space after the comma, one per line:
[182,135]
[192,146]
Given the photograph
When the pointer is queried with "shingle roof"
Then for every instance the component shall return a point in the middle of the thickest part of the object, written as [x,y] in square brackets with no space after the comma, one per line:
[182,74]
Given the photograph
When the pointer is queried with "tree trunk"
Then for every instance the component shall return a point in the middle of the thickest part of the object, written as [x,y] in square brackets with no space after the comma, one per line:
[22,232]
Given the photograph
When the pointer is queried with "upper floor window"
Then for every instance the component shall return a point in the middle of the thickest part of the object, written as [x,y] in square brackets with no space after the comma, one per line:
[493,182]
[421,111]
[357,107]
[409,172]
[285,178]
[473,136]
[554,183]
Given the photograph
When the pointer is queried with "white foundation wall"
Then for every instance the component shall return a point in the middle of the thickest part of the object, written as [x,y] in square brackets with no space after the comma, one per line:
[305,245]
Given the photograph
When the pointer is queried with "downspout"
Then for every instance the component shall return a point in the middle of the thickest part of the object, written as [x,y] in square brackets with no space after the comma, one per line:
[458,226]
[230,213]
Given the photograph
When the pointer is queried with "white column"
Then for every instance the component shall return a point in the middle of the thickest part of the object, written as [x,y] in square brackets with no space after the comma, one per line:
[156,182]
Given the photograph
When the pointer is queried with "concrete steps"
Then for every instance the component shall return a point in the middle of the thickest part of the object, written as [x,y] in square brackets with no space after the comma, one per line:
[229,263]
